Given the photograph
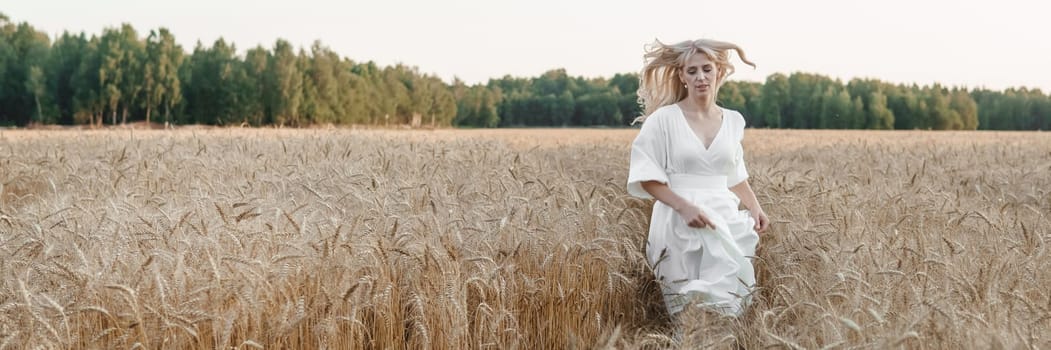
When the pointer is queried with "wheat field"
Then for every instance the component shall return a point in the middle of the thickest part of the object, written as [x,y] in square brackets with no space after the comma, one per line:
[506,239]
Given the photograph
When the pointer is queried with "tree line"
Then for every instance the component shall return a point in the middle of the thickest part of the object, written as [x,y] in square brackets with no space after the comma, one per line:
[811,101]
[123,76]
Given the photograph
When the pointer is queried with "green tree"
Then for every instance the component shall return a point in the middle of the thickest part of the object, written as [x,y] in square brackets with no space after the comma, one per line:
[321,87]
[903,102]
[857,114]
[775,100]
[942,117]
[444,107]
[212,88]
[36,84]
[965,108]
[21,48]
[355,92]
[879,116]
[160,76]
[63,61]
[88,100]
[308,106]
[253,88]
[752,93]
[1041,111]
[111,72]
[284,84]
[131,65]
[366,92]
[598,109]
[627,86]
[837,108]
[7,60]
[800,108]
[552,82]
[730,96]
[477,108]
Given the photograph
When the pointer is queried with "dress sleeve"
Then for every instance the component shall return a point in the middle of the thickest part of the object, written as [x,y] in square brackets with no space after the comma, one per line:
[648,158]
[739,173]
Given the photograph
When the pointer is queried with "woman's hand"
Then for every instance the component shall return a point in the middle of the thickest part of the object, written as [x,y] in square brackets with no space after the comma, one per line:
[694,217]
[761,221]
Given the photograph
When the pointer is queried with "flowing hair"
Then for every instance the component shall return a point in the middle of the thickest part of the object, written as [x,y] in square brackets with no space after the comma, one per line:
[659,84]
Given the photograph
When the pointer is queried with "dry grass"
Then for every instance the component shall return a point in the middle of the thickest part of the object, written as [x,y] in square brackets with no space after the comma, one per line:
[505,239]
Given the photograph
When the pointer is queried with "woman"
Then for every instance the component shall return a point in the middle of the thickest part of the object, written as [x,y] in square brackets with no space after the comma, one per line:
[688,156]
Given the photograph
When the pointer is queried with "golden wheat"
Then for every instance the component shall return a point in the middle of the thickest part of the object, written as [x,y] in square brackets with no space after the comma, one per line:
[453,239]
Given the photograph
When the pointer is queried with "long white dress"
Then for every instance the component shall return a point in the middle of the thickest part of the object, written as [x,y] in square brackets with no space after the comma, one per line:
[710,267]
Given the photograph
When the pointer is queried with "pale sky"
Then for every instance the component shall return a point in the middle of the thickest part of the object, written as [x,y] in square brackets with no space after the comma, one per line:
[995,44]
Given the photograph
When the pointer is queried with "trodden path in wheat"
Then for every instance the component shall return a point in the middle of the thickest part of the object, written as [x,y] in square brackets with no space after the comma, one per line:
[447,239]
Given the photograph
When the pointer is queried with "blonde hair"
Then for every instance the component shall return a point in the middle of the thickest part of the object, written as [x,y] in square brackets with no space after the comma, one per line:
[659,84]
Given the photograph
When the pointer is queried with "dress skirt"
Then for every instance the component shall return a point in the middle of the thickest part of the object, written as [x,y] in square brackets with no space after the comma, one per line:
[711,268]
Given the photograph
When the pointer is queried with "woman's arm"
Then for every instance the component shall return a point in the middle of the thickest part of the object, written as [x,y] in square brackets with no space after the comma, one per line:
[689,212]
[744,191]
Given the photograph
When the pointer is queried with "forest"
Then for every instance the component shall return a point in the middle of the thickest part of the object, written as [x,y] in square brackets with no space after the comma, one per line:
[124,76]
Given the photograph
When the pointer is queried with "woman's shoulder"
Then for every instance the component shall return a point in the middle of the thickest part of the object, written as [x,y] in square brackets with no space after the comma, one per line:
[734,117]
[736,121]
[664,112]
[659,116]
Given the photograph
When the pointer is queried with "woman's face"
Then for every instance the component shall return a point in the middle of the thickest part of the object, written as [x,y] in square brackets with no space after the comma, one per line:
[700,75]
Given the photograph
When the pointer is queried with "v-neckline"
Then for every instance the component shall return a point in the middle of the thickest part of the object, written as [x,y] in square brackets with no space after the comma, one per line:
[700,140]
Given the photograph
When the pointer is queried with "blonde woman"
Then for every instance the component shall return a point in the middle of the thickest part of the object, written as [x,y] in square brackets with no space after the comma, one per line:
[688,156]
